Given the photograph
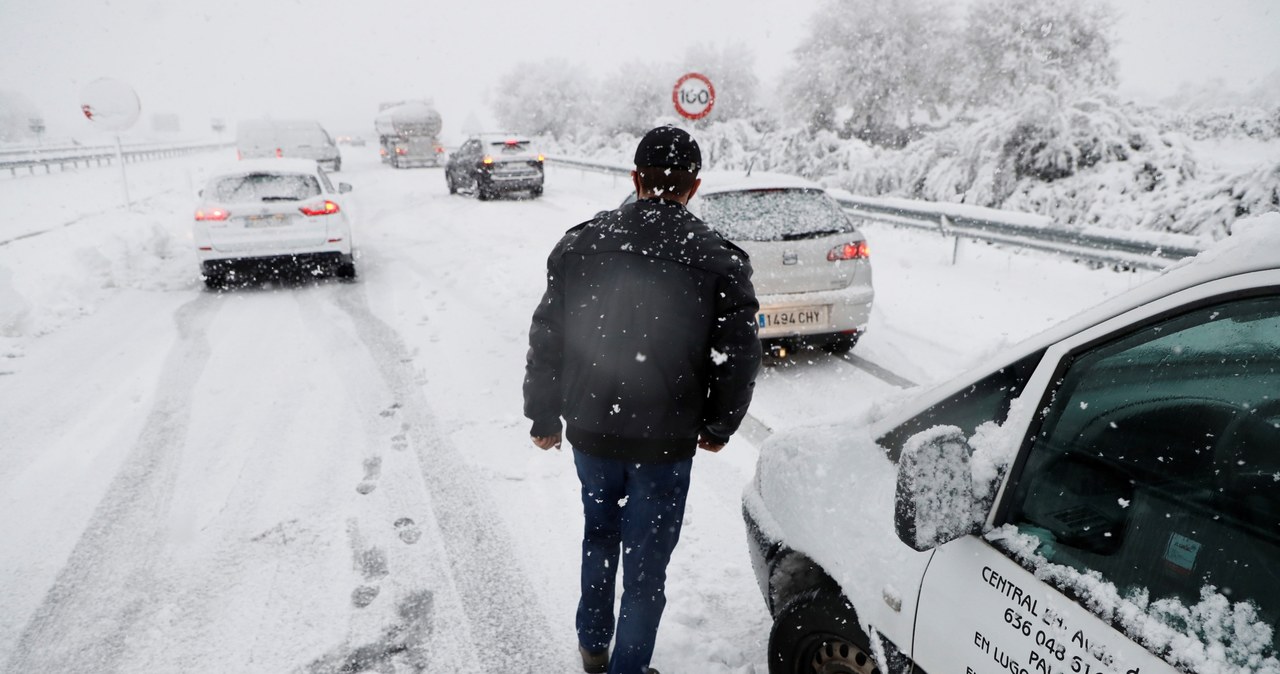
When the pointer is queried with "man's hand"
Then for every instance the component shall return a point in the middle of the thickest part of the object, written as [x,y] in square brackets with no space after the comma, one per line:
[547,441]
[709,445]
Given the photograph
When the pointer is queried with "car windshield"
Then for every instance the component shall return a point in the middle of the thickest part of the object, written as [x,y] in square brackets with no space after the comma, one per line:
[257,187]
[773,214]
[301,136]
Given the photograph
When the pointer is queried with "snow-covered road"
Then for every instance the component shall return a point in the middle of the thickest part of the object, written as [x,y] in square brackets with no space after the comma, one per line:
[337,477]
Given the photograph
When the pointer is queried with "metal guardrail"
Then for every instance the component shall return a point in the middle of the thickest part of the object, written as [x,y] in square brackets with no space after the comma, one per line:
[983,224]
[63,158]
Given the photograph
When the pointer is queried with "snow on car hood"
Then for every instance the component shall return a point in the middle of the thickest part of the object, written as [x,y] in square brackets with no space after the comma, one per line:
[831,489]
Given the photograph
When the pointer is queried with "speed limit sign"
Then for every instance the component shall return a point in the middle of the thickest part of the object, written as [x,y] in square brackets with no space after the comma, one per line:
[694,96]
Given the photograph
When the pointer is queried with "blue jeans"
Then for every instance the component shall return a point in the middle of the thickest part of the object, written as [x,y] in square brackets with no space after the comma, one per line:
[635,508]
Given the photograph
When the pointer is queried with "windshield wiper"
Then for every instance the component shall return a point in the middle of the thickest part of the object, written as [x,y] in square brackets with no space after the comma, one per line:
[809,235]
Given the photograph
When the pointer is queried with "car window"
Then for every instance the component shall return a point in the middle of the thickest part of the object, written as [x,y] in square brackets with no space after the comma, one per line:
[259,187]
[324,179]
[510,147]
[302,136]
[773,214]
[987,399]
[1156,467]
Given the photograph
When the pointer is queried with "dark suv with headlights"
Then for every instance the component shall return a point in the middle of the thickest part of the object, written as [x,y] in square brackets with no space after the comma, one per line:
[493,164]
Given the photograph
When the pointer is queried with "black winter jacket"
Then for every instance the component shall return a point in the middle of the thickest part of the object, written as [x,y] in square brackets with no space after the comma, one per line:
[645,337]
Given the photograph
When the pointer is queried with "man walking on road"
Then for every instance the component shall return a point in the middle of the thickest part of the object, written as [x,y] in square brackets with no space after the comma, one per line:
[645,343]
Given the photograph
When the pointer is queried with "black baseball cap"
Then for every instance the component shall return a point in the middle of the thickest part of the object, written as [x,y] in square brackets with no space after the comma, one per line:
[669,147]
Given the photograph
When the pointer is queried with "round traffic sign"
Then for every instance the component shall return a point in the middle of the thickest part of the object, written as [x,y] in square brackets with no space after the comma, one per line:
[694,96]
[109,103]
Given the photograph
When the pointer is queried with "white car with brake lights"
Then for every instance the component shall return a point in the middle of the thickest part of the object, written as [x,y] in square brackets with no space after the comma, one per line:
[274,216]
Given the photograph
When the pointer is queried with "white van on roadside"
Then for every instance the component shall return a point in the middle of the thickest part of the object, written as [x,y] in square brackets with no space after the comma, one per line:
[1103,498]
[281,138]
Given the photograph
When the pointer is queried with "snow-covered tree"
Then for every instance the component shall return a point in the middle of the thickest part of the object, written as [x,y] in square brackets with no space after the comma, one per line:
[732,70]
[1012,47]
[548,97]
[633,96]
[16,113]
[872,68]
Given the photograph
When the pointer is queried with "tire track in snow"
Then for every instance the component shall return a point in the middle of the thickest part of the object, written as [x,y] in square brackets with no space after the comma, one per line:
[109,579]
[507,624]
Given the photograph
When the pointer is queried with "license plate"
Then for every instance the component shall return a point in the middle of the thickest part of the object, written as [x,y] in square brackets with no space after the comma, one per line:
[274,220]
[794,317]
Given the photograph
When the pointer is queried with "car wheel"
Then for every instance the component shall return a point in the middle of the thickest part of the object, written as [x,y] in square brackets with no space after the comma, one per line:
[840,344]
[214,281]
[453,189]
[483,193]
[337,166]
[536,192]
[346,271]
[817,631]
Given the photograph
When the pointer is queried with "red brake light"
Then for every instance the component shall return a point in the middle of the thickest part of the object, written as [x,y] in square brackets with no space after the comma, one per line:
[212,214]
[513,141]
[439,150]
[279,153]
[401,150]
[326,208]
[382,151]
[849,251]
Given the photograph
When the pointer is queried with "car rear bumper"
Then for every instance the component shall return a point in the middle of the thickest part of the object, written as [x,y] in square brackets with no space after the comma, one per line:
[284,263]
[849,311]
[499,182]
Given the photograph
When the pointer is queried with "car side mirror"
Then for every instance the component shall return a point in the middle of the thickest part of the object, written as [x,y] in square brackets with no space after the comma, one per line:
[343,188]
[935,501]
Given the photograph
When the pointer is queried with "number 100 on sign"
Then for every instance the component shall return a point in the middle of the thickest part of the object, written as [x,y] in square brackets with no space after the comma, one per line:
[694,96]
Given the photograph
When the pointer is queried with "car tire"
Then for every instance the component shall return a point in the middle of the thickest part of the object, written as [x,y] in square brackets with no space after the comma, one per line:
[337,166]
[536,192]
[817,631]
[840,344]
[483,193]
[453,189]
[346,271]
[214,281]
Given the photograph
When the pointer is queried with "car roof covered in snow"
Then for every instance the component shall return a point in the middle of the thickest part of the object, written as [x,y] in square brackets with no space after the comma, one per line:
[715,182]
[282,165]
[1253,246]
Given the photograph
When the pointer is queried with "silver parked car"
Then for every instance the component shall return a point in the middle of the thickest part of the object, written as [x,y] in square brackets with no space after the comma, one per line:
[812,267]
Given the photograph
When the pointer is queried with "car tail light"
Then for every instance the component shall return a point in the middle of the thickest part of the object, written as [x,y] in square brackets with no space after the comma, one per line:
[212,214]
[487,161]
[279,153]
[326,208]
[382,151]
[239,156]
[850,251]
[511,142]
[401,150]
[439,149]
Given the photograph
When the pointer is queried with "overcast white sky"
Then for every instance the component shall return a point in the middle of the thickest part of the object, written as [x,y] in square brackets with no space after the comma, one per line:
[336,59]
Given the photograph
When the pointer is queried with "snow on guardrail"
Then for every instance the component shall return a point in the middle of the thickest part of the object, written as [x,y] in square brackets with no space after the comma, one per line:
[1142,250]
[30,159]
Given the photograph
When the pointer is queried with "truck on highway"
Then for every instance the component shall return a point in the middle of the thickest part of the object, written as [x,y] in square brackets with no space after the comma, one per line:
[408,134]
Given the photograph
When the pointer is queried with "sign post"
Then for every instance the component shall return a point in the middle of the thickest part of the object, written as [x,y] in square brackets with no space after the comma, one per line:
[694,96]
[112,105]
